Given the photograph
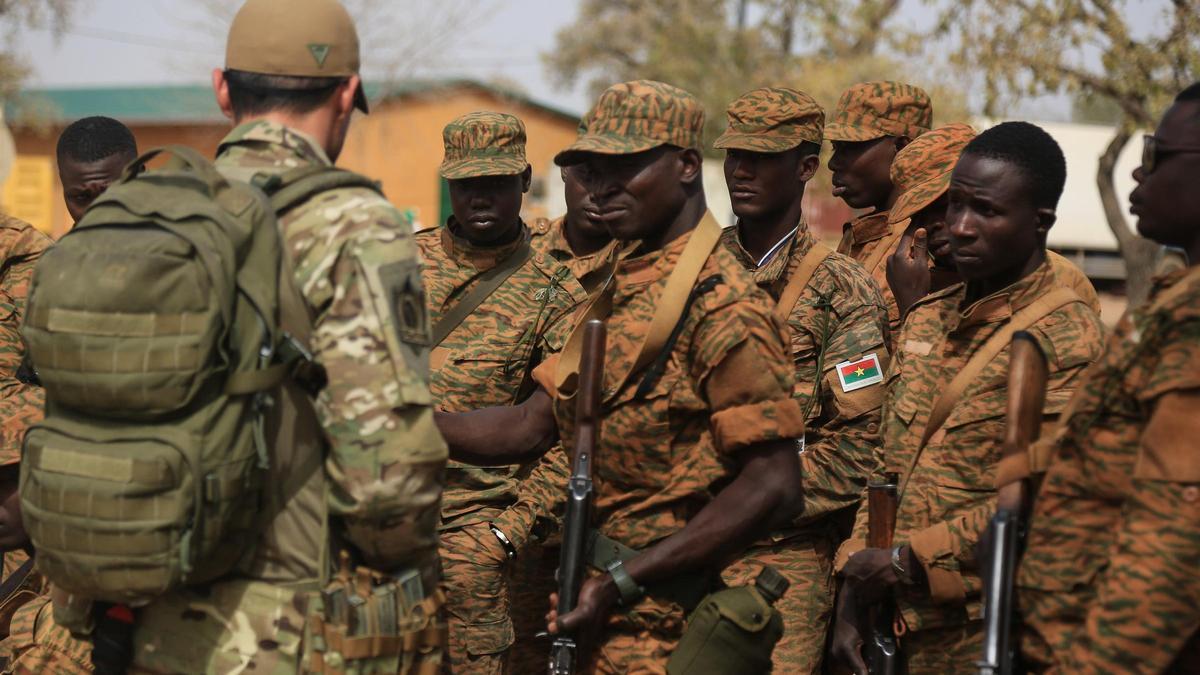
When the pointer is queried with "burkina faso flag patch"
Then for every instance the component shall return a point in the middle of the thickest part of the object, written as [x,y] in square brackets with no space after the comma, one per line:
[860,373]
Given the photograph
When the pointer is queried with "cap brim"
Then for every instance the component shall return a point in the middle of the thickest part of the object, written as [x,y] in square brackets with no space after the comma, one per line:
[756,142]
[835,131]
[605,145]
[920,196]
[360,100]
[477,168]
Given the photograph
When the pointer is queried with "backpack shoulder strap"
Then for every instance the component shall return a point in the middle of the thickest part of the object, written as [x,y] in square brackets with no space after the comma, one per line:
[289,190]
[799,281]
[970,372]
[488,282]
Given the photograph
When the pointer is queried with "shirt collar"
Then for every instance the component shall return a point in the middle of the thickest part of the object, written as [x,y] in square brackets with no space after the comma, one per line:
[870,227]
[276,135]
[482,258]
[1005,302]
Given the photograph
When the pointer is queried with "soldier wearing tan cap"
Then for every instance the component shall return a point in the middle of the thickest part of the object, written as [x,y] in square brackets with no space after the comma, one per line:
[497,308]
[874,121]
[836,319]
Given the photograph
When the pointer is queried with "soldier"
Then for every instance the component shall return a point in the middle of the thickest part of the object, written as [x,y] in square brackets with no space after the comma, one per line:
[946,396]
[364,469]
[873,122]
[836,318]
[577,239]
[1108,582]
[922,262]
[496,306]
[92,153]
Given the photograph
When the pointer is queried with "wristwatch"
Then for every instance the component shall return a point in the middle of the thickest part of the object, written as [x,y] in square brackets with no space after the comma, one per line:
[629,589]
[901,573]
[509,550]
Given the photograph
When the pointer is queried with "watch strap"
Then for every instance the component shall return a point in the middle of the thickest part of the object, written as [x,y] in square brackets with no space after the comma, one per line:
[901,573]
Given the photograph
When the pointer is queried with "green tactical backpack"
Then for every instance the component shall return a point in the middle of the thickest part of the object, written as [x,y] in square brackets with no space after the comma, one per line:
[154,327]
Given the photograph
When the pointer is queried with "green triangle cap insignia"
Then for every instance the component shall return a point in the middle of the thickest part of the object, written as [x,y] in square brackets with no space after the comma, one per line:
[320,53]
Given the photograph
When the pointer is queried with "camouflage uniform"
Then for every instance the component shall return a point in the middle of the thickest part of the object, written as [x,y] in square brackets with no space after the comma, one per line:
[485,361]
[726,384]
[20,406]
[948,494]
[1108,582]
[867,111]
[352,256]
[921,174]
[550,239]
[838,317]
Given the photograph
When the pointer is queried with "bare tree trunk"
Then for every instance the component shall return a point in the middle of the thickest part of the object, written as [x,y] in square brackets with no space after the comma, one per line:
[1141,255]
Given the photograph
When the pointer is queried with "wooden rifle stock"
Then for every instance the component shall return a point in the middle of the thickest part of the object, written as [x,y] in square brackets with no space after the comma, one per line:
[1027,377]
[573,561]
[881,651]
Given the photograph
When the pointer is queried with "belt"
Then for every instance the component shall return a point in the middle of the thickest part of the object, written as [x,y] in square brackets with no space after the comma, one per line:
[685,590]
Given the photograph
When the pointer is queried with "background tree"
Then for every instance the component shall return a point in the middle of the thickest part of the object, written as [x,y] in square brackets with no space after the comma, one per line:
[1087,49]
[719,49]
[18,15]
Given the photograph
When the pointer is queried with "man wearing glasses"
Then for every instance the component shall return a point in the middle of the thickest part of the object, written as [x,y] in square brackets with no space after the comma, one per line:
[1109,582]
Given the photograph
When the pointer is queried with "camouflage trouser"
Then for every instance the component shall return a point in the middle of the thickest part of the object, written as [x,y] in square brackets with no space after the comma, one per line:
[476,576]
[944,651]
[640,642]
[807,608]
[38,645]
[532,584]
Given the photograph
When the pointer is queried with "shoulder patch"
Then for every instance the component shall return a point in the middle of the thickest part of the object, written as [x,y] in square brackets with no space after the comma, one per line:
[860,373]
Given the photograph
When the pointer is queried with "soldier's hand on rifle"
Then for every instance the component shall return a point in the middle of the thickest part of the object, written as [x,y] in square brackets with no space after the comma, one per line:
[586,622]
[847,643]
[908,269]
[872,574]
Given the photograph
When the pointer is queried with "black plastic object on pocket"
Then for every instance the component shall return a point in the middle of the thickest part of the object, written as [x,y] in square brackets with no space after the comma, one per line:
[733,630]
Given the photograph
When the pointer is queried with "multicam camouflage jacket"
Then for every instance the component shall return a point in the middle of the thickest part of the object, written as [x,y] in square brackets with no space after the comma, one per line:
[20,404]
[949,493]
[1108,582]
[488,359]
[355,263]
[838,318]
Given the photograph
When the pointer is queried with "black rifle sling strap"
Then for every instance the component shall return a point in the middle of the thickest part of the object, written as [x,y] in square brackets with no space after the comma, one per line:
[488,282]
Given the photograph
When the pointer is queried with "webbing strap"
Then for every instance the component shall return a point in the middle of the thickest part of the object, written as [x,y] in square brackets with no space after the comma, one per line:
[152,473]
[970,372]
[799,281]
[118,324]
[884,247]
[251,381]
[488,282]
[668,309]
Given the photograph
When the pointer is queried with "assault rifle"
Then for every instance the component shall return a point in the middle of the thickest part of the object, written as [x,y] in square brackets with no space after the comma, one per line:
[573,561]
[1023,419]
[881,652]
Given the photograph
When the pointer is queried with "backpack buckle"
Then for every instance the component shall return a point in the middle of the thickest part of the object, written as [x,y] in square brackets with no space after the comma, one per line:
[304,369]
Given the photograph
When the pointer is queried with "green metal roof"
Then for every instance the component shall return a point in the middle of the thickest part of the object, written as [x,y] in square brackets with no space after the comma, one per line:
[181,104]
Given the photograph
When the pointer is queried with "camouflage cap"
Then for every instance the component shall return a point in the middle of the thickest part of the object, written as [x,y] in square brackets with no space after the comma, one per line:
[921,171]
[772,119]
[871,110]
[483,144]
[637,116]
[296,38]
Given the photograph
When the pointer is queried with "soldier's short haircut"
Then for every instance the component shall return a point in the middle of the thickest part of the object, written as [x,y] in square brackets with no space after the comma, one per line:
[1032,150]
[92,139]
[807,148]
[256,94]
[1192,93]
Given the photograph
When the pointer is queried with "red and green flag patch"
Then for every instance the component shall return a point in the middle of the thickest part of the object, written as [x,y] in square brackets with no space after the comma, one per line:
[861,373]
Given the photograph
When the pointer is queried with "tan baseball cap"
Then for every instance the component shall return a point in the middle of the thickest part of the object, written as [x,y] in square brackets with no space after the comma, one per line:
[636,116]
[483,144]
[297,38]
[772,119]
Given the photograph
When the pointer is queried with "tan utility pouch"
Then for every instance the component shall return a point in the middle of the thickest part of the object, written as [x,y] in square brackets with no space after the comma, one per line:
[366,622]
[733,630]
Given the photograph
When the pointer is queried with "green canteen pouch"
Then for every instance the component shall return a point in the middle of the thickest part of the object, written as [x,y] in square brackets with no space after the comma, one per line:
[732,631]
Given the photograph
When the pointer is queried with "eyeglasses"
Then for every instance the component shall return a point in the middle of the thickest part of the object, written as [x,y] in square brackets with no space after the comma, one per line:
[1153,149]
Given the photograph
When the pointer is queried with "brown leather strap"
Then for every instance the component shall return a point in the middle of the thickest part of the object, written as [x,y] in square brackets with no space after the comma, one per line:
[799,281]
[488,282]
[885,246]
[970,372]
[668,309]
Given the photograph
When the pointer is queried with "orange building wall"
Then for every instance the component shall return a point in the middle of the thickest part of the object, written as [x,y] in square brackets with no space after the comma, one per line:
[399,143]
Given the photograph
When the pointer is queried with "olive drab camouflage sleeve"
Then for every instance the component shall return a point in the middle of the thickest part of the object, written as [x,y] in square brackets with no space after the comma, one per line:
[20,404]
[371,334]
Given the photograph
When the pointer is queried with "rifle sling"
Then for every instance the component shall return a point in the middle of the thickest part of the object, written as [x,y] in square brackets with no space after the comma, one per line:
[799,281]
[488,282]
[686,590]
[669,310]
[16,579]
[970,372]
